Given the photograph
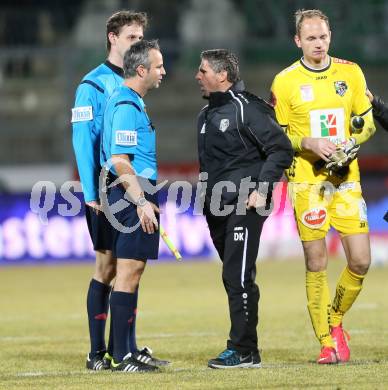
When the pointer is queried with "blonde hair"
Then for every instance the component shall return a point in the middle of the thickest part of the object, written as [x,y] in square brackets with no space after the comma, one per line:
[302,14]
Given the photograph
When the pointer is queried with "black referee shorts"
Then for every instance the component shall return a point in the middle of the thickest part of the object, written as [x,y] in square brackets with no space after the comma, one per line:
[135,244]
[100,229]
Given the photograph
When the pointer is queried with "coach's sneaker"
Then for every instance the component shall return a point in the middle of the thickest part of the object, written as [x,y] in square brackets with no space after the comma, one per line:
[97,361]
[341,338]
[145,356]
[327,356]
[233,359]
[130,364]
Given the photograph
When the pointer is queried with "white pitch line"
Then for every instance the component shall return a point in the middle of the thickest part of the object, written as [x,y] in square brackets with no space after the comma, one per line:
[171,335]
[57,317]
[366,306]
[56,373]
[363,331]
[265,366]
[153,336]
[40,338]
[143,336]
[91,372]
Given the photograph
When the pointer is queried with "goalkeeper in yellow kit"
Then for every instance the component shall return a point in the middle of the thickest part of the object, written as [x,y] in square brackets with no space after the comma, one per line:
[314,100]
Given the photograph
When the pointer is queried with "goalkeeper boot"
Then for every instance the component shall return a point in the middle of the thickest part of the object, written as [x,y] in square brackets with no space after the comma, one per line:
[130,364]
[145,356]
[97,361]
[327,356]
[233,359]
[341,338]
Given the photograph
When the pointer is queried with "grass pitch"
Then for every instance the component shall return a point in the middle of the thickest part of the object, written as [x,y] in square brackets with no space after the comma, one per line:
[183,317]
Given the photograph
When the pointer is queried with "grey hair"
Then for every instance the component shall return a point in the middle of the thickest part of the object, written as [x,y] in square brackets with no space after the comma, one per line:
[138,54]
[223,60]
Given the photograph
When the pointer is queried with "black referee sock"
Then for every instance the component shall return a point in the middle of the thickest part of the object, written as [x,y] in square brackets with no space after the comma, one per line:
[132,328]
[97,306]
[122,306]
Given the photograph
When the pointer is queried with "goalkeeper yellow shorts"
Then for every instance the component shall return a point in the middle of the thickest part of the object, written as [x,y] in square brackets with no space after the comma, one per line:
[317,207]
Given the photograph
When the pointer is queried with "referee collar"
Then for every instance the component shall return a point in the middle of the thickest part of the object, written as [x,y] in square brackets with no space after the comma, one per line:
[115,68]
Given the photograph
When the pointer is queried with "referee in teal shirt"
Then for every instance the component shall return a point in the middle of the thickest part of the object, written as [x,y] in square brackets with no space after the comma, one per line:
[128,150]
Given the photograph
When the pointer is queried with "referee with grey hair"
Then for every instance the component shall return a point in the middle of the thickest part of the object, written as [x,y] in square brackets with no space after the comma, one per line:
[242,153]
[128,150]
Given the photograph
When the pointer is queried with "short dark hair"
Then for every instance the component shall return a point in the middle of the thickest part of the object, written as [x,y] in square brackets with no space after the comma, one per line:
[119,19]
[302,14]
[223,60]
[138,54]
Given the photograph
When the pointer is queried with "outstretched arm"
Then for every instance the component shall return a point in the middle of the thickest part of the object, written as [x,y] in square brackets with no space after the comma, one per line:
[380,109]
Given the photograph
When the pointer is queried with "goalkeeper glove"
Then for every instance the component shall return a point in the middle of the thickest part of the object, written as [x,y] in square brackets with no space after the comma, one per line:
[344,155]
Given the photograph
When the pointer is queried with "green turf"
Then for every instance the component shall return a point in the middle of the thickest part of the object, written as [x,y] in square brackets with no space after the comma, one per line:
[183,317]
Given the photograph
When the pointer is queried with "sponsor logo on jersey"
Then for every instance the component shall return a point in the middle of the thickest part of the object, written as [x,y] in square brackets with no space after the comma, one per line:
[126,137]
[307,93]
[340,87]
[314,218]
[340,61]
[321,78]
[328,123]
[81,114]
[224,124]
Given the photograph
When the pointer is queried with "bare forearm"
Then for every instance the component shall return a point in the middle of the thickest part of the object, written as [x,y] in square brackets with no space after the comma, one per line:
[127,176]
[305,143]
[322,147]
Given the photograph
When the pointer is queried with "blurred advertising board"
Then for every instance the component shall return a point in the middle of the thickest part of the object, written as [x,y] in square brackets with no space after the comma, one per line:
[63,237]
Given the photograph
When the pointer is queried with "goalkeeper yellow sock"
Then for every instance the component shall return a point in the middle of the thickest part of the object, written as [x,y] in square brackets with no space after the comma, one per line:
[348,287]
[318,305]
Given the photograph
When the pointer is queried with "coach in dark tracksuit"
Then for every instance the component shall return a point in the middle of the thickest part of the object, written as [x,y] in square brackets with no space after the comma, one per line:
[244,152]
[380,110]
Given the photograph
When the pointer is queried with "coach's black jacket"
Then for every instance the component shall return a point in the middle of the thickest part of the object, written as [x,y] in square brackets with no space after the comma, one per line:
[380,111]
[239,137]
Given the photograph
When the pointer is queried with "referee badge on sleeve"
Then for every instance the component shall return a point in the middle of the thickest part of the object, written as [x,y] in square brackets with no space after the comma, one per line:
[81,114]
[126,137]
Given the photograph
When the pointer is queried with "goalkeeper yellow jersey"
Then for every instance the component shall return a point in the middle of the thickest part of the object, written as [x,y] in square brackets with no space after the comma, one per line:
[319,103]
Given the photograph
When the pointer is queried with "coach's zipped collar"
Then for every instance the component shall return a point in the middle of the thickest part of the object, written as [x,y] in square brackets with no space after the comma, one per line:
[217,99]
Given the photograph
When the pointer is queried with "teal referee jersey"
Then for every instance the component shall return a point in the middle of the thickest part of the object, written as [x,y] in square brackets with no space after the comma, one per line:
[129,130]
